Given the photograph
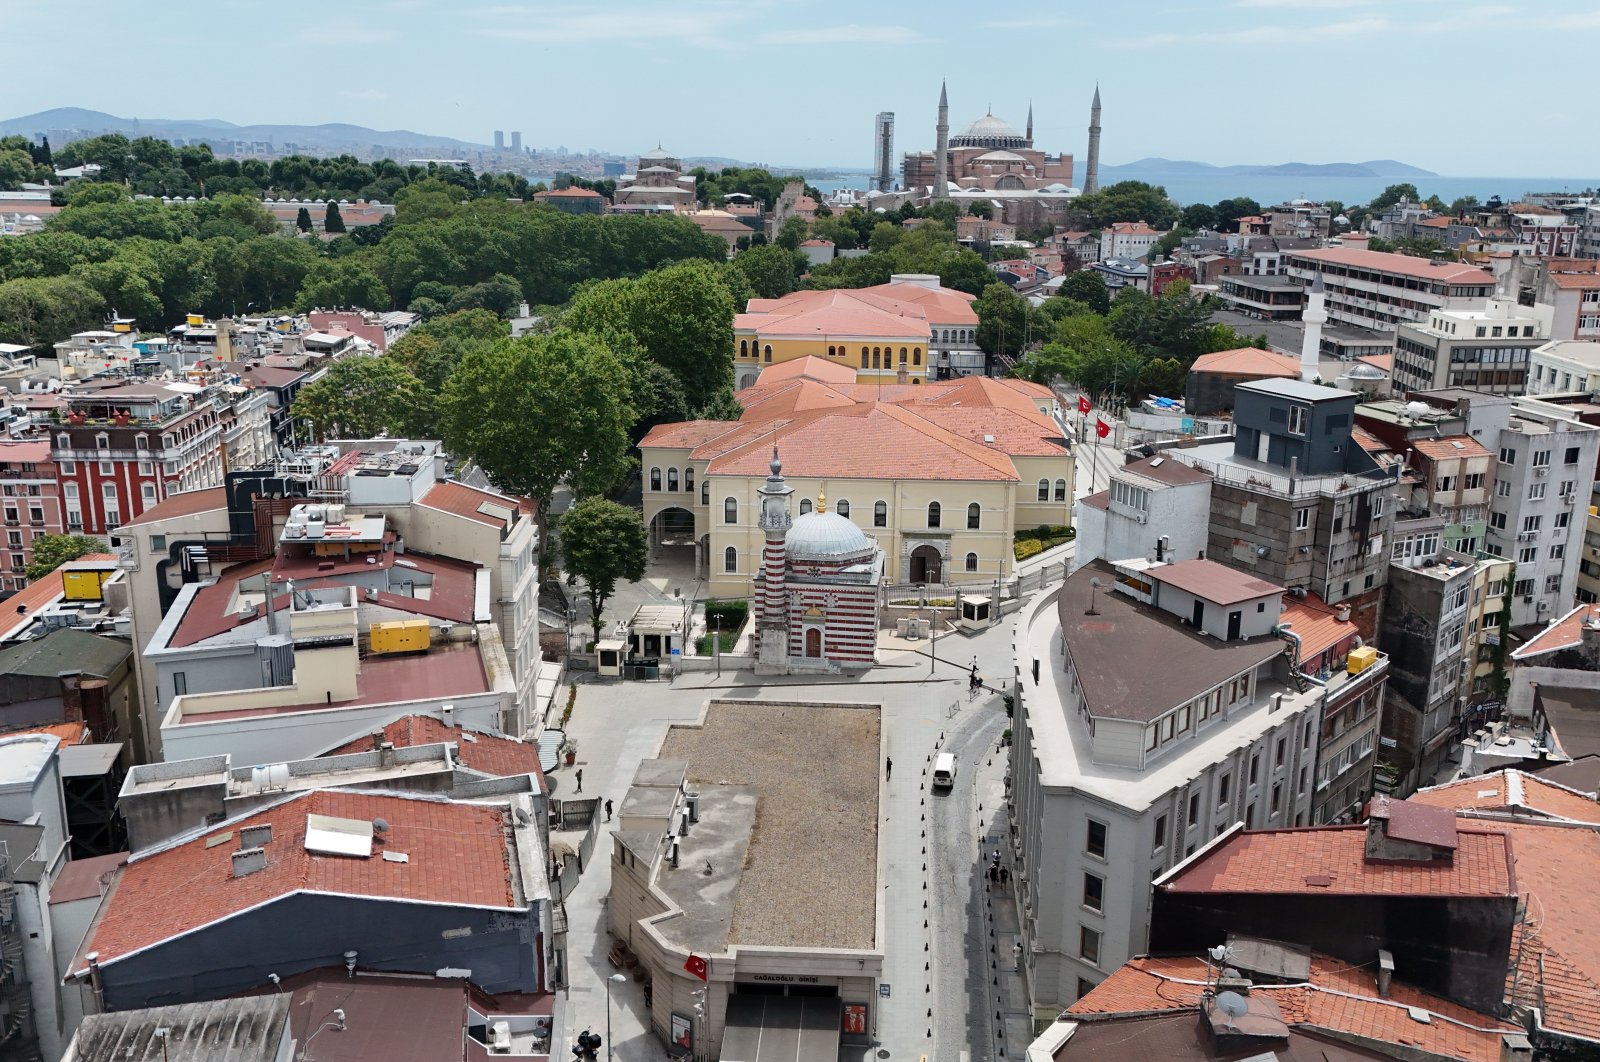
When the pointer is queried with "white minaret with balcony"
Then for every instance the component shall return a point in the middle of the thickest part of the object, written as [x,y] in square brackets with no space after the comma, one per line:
[1314,318]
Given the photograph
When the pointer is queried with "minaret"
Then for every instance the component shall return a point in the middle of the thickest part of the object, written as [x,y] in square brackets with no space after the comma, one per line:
[1030,124]
[774,520]
[941,149]
[1091,176]
[1315,316]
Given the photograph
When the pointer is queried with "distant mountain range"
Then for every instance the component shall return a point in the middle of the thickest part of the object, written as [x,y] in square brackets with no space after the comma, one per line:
[81,122]
[1375,168]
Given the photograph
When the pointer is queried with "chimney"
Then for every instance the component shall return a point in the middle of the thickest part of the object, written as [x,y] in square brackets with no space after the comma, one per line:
[1385,971]
[255,836]
[386,754]
[247,861]
[377,740]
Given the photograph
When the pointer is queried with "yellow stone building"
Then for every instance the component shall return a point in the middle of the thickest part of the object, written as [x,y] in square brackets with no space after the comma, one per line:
[900,332]
[939,475]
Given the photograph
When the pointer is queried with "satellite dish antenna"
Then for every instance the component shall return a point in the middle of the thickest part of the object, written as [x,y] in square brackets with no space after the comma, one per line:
[380,826]
[1094,588]
[1232,1004]
[1219,952]
[523,816]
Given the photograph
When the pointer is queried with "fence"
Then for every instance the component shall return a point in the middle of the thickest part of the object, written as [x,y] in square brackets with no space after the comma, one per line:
[576,826]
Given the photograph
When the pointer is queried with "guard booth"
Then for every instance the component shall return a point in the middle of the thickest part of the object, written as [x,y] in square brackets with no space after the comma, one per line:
[975,613]
[608,657]
[656,631]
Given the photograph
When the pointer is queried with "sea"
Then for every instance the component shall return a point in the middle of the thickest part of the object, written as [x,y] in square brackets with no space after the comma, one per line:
[1186,188]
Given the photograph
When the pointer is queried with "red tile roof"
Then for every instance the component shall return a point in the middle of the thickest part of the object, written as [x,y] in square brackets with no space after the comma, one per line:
[1512,792]
[1337,997]
[811,367]
[1318,627]
[22,606]
[467,501]
[1248,361]
[1564,633]
[1556,955]
[1398,264]
[457,854]
[492,754]
[571,192]
[66,733]
[187,503]
[1331,860]
[689,433]
[1449,448]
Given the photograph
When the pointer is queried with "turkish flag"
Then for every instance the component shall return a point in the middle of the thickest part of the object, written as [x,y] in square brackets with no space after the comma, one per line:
[697,966]
[1083,403]
[1101,428]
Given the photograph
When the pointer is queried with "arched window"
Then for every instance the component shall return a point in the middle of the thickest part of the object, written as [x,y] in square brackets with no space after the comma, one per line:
[1044,490]
[916,355]
[730,560]
[947,335]
[876,351]
[830,352]
[934,512]
[744,348]
[842,507]
[655,479]
[705,493]
[730,511]
[902,355]
[972,562]
[915,380]
[880,514]
[805,506]
[767,352]
[672,479]
[863,357]
[974,514]
[688,480]
[1061,490]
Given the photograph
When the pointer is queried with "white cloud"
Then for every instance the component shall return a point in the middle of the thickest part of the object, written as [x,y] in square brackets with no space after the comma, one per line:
[370,95]
[1582,20]
[847,34]
[1258,34]
[1036,22]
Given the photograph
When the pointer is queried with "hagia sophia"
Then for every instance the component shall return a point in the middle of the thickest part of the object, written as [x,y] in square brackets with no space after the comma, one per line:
[988,159]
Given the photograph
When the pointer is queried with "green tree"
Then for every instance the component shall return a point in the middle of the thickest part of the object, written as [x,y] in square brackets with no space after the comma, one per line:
[540,411]
[1464,205]
[302,220]
[1003,320]
[602,542]
[1229,211]
[52,551]
[332,220]
[981,208]
[38,311]
[358,398]
[792,233]
[772,270]
[1199,216]
[1086,287]
[1094,358]
[342,282]
[1128,201]
[16,166]
[499,294]
[1392,195]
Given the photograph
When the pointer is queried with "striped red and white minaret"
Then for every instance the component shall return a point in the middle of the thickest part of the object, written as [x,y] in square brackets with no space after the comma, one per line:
[775,521]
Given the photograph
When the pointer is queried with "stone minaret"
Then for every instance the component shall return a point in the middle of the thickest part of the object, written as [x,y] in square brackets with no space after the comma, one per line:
[1030,124]
[1315,316]
[771,596]
[1091,176]
[941,149]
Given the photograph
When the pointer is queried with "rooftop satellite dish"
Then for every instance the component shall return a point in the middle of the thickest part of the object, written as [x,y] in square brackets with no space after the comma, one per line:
[380,826]
[1232,1004]
[1096,583]
[1220,952]
[523,816]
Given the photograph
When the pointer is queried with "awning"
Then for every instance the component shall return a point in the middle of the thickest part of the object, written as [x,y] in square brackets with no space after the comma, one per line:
[782,1029]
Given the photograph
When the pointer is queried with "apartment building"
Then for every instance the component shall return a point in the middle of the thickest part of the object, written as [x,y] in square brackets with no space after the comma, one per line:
[1381,291]
[1127,239]
[30,498]
[1155,508]
[1486,349]
[1565,366]
[1157,708]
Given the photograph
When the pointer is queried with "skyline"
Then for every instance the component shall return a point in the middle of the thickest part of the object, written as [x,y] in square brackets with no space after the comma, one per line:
[704,73]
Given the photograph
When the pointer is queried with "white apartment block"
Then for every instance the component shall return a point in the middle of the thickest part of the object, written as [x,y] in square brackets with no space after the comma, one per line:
[1564,366]
[1381,291]
[1155,710]
[1484,349]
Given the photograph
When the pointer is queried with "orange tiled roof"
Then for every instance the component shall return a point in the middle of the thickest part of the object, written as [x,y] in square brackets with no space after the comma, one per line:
[493,754]
[457,854]
[1449,447]
[1512,791]
[1399,264]
[458,498]
[1336,997]
[1379,361]
[1564,633]
[1247,361]
[811,367]
[689,433]
[1557,952]
[66,733]
[1316,625]
[1331,860]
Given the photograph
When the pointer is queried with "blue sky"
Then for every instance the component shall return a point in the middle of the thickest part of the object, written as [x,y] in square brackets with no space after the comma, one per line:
[1223,81]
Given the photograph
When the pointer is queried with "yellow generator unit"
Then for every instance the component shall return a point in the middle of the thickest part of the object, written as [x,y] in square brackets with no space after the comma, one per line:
[401,636]
[84,585]
[1361,659]
[196,320]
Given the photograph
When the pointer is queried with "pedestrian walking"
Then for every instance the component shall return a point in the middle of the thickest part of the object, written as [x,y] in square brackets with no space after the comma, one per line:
[888,768]
[608,810]
[580,779]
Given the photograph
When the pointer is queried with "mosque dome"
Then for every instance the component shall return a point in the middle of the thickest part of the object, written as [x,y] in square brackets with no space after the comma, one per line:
[989,132]
[826,536]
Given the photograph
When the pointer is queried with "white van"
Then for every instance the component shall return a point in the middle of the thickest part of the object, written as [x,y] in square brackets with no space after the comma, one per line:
[944,770]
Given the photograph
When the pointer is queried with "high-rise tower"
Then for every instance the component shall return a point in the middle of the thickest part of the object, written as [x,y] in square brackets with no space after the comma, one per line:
[941,150]
[1091,176]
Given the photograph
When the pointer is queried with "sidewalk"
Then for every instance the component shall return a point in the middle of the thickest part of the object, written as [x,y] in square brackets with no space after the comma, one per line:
[1008,992]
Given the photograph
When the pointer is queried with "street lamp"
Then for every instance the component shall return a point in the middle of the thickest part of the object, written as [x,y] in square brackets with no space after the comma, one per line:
[611,1049]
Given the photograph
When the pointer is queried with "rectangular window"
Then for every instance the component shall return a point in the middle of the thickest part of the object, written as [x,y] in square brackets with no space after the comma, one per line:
[1535,491]
[1552,583]
[180,683]
[1563,519]
[1283,751]
[1474,481]
[68,468]
[1089,945]
[1095,843]
[1094,892]
[1571,455]
[1508,455]
[1527,554]
[1160,840]
[1084,987]
[1224,788]
[1502,489]
[1531,524]
[1297,420]
[1194,809]
[1541,459]
[1302,519]
[1557,552]
[1255,766]
[1277,796]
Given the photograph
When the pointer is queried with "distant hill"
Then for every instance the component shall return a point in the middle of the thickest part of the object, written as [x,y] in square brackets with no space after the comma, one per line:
[1379,168]
[78,122]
